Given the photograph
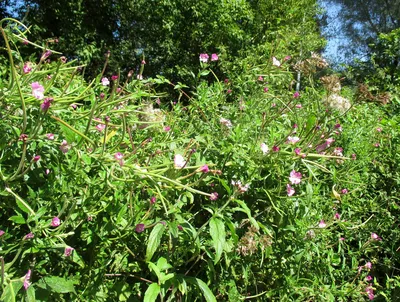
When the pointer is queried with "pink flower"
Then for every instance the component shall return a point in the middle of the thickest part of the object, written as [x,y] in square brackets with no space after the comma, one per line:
[27,279]
[139,228]
[204,169]
[36,158]
[297,151]
[296,95]
[153,200]
[118,156]
[179,161]
[292,139]
[27,68]
[370,291]
[374,236]
[46,54]
[287,58]
[68,251]
[214,196]
[329,141]
[377,145]
[322,224]
[299,106]
[214,57]
[241,188]
[337,216]
[100,127]
[37,90]
[50,136]
[295,177]
[264,148]
[260,78]
[73,106]
[64,147]
[2,233]
[114,77]
[368,265]
[275,148]
[139,77]
[338,151]
[229,91]
[345,191]
[167,128]
[143,62]
[203,57]
[290,190]
[276,62]
[379,129]
[55,222]
[353,156]
[105,81]
[337,126]
[341,239]
[29,236]
[47,171]
[46,104]
[368,278]
[227,123]
[102,95]
[273,105]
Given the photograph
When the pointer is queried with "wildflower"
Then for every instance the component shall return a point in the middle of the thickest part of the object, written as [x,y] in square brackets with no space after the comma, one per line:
[338,151]
[297,151]
[153,200]
[299,106]
[45,55]
[179,161]
[345,191]
[180,228]
[23,137]
[322,224]
[204,169]
[241,188]
[375,237]
[287,58]
[139,228]
[337,126]
[329,141]
[27,68]
[296,95]
[214,196]
[36,158]
[2,233]
[368,278]
[337,216]
[264,148]
[167,128]
[295,177]
[370,292]
[290,190]
[368,265]
[273,105]
[139,77]
[377,145]
[341,239]
[55,222]
[68,251]
[292,139]
[204,57]
[100,127]
[225,122]
[63,59]
[275,148]
[64,147]
[229,91]
[276,62]
[29,236]
[37,90]
[105,81]
[73,106]
[114,77]
[46,104]
[214,57]
[266,89]
[102,95]
[25,41]
[353,156]
[27,279]
[379,129]
[226,81]
[119,89]
[143,62]
[260,78]
[50,136]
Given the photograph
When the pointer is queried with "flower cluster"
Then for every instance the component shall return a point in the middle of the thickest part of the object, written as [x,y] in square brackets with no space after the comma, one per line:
[204,57]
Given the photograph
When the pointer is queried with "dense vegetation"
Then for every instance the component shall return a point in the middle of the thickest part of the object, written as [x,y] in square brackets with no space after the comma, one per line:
[237,183]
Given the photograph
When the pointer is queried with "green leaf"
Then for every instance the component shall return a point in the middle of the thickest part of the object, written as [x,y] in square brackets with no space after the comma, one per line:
[151,293]
[56,284]
[17,219]
[207,293]
[30,294]
[11,291]
[217,232]
[154,240]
